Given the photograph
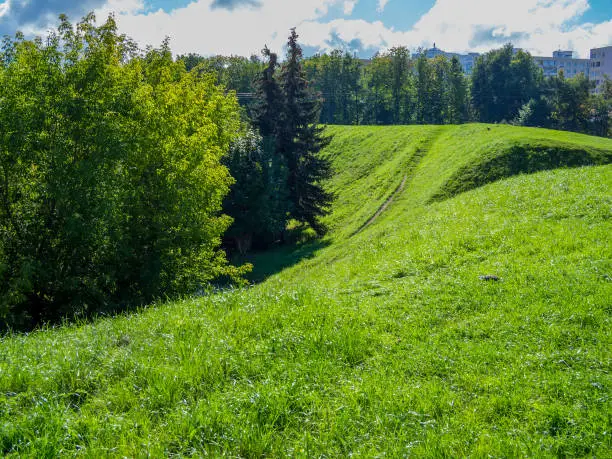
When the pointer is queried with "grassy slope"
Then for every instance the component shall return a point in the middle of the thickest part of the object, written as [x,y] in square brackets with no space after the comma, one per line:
[371,161]
[386,341]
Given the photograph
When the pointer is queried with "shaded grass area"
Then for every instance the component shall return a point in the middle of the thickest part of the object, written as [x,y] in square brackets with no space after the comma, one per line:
[526,156]
[266,264]
[385,343]
[469,156]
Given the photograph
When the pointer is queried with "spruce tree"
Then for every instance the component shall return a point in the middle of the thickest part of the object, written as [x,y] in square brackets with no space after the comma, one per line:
[269,106]
[300,141]
[268,115]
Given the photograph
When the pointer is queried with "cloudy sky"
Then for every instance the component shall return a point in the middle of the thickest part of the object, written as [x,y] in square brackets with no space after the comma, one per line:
[363,26]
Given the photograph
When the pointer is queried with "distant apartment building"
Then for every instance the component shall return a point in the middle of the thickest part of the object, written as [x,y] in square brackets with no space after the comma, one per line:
[563,60]
[601,66]
[596,68]
[467,61]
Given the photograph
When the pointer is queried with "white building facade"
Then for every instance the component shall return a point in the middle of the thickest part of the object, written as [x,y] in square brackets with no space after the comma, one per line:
[563,60]
[601,66]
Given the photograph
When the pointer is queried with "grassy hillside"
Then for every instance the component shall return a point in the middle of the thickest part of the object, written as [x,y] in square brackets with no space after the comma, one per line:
[442,161]
[383,341]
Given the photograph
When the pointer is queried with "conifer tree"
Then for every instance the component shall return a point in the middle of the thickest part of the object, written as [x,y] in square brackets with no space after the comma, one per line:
[269,105]
[268,116]
[300,141]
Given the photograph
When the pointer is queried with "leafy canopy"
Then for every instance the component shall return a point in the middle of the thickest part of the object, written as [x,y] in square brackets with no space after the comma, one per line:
[111,182]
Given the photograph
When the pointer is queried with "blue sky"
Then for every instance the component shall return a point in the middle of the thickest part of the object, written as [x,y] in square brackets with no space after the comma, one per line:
[361,26]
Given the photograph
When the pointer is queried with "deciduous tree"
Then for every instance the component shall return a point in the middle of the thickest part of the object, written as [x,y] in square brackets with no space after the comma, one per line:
[110,176]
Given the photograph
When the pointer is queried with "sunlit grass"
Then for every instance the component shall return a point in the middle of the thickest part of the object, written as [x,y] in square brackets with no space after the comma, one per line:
[387,343]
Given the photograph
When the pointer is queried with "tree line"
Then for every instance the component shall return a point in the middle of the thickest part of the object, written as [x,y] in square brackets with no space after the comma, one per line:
[506,86]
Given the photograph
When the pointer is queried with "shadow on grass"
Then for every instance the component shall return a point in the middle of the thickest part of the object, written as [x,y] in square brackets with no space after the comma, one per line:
[270,262]
[520,159]
[265,264]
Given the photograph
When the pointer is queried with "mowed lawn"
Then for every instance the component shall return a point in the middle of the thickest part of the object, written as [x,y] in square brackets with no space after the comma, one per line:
[384,340]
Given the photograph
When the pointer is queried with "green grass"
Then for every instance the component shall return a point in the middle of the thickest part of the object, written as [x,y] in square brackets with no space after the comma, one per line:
[385,343]
[370,163]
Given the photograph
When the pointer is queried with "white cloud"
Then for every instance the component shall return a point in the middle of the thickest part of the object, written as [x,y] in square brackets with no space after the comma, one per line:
[349,6]
[121,7]
[198,28]
[370,34]
[381,5]
[539,26]
[455,25]
[4,7]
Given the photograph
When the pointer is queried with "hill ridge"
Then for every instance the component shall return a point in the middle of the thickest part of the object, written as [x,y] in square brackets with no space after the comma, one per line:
[451,159]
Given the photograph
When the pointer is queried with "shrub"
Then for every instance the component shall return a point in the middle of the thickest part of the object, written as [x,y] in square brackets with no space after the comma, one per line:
[110,177]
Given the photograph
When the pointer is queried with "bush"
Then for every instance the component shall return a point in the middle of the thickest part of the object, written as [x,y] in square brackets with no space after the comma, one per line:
[110,177]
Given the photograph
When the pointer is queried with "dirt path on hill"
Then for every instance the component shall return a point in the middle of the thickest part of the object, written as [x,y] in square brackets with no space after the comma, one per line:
[420,152]
[382,208]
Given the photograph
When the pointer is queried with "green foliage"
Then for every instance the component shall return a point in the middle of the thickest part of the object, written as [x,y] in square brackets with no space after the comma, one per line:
[257,201]
[383,343]
[433,91]
[457,93]
[337,77]
[421,91]
[567,104]
[570,110]
[378,104]
[601,108]
[111,176]
[269,107]
[269,114]
[235,73]
[280,172]
[502,82]
[535,113]
[393,88]
[399,84]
